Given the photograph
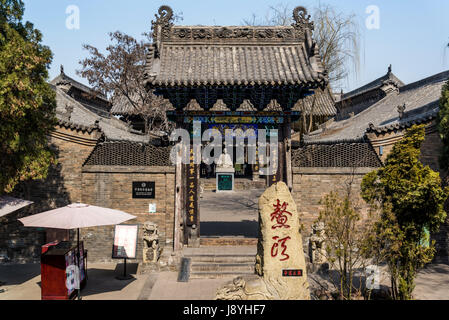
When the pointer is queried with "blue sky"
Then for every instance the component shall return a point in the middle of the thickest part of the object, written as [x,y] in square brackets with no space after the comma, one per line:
[413,35]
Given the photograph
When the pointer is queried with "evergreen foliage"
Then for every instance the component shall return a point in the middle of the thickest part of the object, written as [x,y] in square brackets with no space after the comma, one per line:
[27,102]
[443,126]
[411,200]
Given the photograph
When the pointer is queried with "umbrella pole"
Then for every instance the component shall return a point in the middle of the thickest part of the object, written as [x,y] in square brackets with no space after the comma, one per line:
[78,263]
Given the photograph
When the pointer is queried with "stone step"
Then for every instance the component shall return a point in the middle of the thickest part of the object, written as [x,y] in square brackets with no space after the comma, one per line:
[222,267]
[225,258]
[220,241]
[212,262]
[216,275]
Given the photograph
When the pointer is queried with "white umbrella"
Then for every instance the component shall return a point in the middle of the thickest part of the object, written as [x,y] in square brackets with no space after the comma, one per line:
[76,216]
[9,204]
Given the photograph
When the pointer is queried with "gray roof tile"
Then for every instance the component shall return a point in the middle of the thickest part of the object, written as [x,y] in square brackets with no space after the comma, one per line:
[74,114]
[421,99]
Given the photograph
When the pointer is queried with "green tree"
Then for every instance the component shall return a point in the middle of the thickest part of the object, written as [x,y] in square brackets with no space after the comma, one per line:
[346,236]
[443,126]
[27,102]
[411,201]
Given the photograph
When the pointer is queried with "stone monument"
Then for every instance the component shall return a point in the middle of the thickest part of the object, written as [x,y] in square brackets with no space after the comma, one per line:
[280,262]
[225,173]
[151,249]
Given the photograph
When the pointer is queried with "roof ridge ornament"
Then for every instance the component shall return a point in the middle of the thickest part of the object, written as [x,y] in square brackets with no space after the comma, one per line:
[161,26]
[302,19]
[401,111]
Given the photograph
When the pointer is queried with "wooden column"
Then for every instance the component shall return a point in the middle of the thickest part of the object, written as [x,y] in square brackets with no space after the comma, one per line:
[256,166]
[179,191]
[191,232]
[288,152]
[281,154]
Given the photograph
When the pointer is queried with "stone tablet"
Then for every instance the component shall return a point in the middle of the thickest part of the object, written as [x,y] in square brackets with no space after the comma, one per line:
[280,254]
[280,262]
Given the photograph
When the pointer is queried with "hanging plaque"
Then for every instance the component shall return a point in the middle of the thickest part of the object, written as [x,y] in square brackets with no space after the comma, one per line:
[192,189]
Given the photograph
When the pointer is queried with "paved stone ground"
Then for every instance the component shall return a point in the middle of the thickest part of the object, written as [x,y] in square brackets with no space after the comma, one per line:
[230,213]
[23,283]
[432,283]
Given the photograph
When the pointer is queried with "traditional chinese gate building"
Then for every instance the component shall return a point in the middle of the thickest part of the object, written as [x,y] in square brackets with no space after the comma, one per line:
[247,77]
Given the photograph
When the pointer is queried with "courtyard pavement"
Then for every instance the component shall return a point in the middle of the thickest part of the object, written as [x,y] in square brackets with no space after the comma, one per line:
[23,283]
[230,214]
[236,215]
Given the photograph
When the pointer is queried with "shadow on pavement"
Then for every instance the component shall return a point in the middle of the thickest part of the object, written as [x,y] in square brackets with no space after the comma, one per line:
[15,274]
[245,228]
[104,280]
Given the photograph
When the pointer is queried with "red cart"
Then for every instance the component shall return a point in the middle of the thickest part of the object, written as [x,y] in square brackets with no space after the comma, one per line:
[58,262]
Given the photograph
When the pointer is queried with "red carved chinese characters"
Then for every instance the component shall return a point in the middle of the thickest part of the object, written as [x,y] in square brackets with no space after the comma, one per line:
[275,247]
[280,215]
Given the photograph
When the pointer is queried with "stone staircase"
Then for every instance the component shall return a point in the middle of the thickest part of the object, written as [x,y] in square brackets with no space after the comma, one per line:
[213,263]
[228,241]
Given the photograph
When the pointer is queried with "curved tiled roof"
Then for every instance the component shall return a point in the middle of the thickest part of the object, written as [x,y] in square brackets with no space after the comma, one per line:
[72,114]
[62,78]
[421,100]
[321,103]
[125,153]
[195,56]
[375,84]
[235,65]
[78,127]
[426,118]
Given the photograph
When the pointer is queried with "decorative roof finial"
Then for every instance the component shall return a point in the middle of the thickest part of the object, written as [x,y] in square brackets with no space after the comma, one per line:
[301,18]
[62,69]
[162,24]
[401,110]
[389,69]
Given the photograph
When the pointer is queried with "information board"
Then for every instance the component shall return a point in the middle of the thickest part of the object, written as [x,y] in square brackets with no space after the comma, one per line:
[144,190]
[224,182]
[125,241]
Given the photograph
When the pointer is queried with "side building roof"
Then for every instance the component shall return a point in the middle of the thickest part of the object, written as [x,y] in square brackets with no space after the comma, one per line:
[72,114]
[321,103]
[375,84]
[413,102]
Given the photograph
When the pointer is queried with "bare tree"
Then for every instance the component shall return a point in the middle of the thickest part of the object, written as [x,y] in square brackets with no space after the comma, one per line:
[120,75]
[337,36]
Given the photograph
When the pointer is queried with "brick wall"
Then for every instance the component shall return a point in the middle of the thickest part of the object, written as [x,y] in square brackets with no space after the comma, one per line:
[311,184]
[111,187]
[61,187]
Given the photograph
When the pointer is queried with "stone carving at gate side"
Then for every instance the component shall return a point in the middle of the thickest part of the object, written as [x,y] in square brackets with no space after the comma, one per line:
[151,250]
[280,262]
[317,245]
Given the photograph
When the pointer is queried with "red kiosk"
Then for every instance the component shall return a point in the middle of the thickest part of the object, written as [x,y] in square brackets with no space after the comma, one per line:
[58,262]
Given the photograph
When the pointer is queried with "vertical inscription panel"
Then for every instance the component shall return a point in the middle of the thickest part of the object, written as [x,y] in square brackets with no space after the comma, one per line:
[191,192]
